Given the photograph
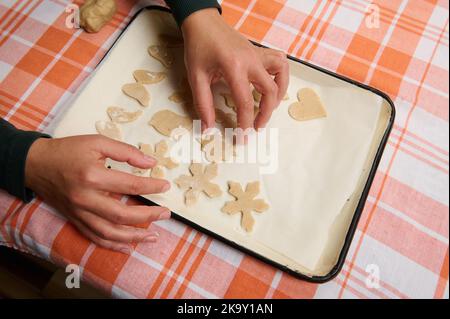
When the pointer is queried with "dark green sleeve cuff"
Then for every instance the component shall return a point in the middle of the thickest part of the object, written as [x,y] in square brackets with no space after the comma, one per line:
[14,146]
[181,9]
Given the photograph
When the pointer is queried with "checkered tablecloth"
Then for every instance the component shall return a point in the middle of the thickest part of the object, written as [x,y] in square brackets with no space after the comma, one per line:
[402,238]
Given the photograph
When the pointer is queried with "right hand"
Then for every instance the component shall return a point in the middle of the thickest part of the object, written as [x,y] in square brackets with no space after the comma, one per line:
[70,174]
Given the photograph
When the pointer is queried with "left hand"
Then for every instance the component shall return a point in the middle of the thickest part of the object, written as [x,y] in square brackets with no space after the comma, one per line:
[214,50]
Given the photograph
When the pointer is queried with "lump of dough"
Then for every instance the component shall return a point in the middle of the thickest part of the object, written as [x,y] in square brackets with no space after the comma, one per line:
[94,14]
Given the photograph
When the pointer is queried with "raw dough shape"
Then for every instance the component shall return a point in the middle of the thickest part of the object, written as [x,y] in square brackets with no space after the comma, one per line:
[94,14]
[138,92]
[199,182]
[308,107]
[170,41]
[148,77]
[181,97]
[159,154]
[166,121]
[227,120]
[245,203]
[229,100]
[119,115]
[209,146]
[109,129]
[162,54]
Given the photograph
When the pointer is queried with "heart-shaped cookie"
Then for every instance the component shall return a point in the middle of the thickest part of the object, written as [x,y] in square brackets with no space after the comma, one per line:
[147,77]
[308,107]
[137,91]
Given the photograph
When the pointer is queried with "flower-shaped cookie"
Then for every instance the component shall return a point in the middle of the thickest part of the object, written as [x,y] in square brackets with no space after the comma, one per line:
[245,203]
[199,182]
[159,154]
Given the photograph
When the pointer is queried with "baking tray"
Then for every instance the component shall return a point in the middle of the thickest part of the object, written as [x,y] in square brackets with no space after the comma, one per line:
[347,147]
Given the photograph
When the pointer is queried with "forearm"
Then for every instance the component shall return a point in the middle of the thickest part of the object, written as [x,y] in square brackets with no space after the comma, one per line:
[14,146]
[181,9]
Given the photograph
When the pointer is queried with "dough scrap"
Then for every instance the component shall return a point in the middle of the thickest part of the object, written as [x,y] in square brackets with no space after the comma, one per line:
[148,77]
[308,107]
[161,54]
[166,121]
[119,115]
[109,129]
[138,92]
[170,41]
[159,154]
[199,182]
[229,100]
[227,120]
[181,97]
[94,14]
[245,203]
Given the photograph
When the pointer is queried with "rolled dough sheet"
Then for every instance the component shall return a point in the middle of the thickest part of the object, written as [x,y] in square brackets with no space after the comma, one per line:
[322,164]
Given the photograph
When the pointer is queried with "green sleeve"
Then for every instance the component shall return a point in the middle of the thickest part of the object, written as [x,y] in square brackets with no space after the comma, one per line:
[14,146]
[181,9]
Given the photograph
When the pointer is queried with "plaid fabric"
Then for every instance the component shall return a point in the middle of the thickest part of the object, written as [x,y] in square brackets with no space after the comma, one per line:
[402,238]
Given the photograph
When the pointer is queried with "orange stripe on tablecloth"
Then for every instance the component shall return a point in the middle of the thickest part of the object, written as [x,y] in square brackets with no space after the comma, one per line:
[16,202]
[383,284]
[27,104]
[8,12]
[304,26]
[193,269]
[69,245]
[422,149]
[322,30]
[14,17]
[181,265]
[157,283]
[418,157]
[378,198]
[14,219]
[422,140]
[311,31]
[19,23]
[362,284]
[443,278]
[351,289]
[28,214]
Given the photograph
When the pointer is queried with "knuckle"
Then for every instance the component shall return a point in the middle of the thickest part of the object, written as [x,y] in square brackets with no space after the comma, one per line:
[119,217]
[134,186]
[88,176]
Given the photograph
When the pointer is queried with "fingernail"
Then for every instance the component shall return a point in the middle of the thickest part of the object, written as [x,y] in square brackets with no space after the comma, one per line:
[151,237]
[166,187]
[126,250]
[149,159]
[164,215]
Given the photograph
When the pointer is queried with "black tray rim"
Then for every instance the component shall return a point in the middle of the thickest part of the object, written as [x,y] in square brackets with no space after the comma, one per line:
[361,203]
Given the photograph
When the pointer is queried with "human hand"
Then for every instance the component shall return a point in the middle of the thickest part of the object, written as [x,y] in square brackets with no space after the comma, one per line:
[214,50]
[70,174]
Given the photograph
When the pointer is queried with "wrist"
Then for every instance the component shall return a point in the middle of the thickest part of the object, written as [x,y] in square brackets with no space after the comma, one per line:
[33,162]
[200,19]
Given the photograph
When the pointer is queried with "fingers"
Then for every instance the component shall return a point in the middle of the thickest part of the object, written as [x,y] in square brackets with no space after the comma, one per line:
[121,247]
[203,99]
[117,212]
[242,96]
[128,184]
[123,152]
[276,63]
[265,85]
[106,230]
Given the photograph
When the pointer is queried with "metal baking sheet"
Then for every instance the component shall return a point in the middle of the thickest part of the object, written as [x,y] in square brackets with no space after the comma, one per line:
[324,167]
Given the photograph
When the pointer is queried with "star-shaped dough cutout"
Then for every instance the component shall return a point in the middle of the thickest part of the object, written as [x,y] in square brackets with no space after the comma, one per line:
[199,182]
[159,154]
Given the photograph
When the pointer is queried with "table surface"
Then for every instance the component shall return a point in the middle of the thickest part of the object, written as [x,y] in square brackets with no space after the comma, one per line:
[400,249]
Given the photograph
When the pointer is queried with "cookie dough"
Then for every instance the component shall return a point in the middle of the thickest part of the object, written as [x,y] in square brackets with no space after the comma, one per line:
[217,151]
[138,92]
[166,121]
[308,107]
[94,14]
[159,154]
[227,120]
[199,182]
[245,203]
[161,54]
[229,100]
[170,41]
[181,97]
[109,129]
[119,115]
[148,77]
